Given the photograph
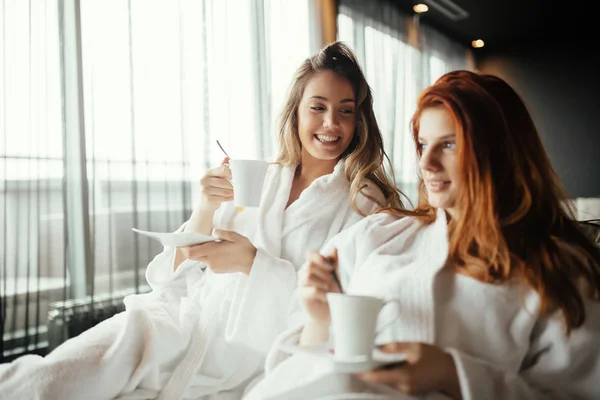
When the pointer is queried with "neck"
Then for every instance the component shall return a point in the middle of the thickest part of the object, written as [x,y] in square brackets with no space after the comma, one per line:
[311,168]
[451,214]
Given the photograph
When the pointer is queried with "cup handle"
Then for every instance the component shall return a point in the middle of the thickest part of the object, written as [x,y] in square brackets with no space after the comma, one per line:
[392,319]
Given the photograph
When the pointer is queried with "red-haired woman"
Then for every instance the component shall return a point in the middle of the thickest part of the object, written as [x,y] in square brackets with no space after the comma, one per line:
[497,285]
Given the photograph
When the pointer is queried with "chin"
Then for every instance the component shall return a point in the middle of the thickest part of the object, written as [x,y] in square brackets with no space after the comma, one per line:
[437,201]
[325,155]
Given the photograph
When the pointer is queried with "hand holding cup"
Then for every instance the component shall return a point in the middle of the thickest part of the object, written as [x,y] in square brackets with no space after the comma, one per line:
[216,187]
[315,280]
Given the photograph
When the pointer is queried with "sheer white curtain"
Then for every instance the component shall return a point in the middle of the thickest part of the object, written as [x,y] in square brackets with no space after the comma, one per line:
[163,80]
[31,167]
[400,58]
[152,84]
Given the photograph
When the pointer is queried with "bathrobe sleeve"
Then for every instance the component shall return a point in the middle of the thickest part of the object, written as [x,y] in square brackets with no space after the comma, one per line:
[260,302]
[346,243]
[354,246]
[264,301]
[160,272]
[556,367]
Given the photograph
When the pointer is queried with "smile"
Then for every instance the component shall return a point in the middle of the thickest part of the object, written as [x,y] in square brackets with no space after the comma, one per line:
[327,138]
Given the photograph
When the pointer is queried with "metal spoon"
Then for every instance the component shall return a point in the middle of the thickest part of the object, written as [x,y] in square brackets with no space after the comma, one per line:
[335,277]
[223,150]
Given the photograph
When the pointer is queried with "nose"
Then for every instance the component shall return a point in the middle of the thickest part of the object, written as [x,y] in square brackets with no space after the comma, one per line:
[331,120]
[429,160]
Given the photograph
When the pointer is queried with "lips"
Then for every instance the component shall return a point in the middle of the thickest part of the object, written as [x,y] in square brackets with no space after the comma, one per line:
[437,182]
[437,185]
[327,138]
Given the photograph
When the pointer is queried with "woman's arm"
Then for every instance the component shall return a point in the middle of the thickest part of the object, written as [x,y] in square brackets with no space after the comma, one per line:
[346,251]
[202,222]
[215,189]
[315,280]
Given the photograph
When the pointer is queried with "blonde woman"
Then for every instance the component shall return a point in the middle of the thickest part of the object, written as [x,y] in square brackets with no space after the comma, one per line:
[204,332]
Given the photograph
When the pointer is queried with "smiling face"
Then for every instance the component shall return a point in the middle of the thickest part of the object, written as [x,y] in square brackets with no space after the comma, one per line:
[326,117]
[439,161]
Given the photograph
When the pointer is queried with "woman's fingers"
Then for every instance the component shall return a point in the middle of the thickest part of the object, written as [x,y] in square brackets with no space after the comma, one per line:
[191,253]
[333,258]
[218,188]
[316,258]
[218,192]
[224,171]
[319,263]
[399,377]
[318,272]
[408,348]
[315,281]
[313,274]
[216,182]
[313,293]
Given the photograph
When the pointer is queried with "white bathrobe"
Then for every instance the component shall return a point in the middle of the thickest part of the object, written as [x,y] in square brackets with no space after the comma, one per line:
[199,334]
[501,345]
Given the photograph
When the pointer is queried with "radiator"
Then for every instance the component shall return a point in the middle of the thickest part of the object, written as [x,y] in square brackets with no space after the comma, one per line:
[69,318]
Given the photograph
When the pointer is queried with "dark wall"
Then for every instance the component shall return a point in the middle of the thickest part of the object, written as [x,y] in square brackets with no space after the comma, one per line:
[560,87]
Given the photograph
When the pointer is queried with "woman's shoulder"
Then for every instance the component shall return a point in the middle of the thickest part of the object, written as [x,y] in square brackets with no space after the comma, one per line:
[369,197]
[389,223]
[370,189]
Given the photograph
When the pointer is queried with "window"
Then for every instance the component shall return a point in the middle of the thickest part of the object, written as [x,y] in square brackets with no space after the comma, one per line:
[153,83]
[397,72]
[32,240]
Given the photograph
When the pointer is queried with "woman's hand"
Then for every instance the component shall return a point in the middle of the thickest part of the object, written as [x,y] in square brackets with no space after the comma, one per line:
[315,280]
[234,253]
[216,187]
[428,368]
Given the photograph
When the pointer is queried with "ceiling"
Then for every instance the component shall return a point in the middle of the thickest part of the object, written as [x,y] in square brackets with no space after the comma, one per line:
[509,23]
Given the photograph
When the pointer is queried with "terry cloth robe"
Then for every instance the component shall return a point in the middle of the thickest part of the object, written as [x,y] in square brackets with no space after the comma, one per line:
[199,334]
[502,346]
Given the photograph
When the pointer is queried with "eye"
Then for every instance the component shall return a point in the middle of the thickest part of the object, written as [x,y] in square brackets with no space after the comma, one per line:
[421,147]
[450,145]
[317,108]
[347,112]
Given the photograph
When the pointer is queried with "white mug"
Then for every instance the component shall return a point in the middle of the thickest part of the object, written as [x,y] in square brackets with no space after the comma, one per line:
[354,323]
[247,180]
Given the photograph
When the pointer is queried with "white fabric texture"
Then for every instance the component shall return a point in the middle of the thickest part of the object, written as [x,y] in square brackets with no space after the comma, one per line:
[199,335]
[502,346]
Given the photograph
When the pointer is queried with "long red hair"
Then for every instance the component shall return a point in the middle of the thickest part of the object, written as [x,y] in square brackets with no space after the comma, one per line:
[515,218]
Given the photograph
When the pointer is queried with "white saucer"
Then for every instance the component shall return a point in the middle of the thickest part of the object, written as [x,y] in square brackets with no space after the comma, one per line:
[351,366]
[177,239]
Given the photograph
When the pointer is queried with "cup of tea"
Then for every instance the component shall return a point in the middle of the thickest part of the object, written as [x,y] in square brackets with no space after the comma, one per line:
[247,180]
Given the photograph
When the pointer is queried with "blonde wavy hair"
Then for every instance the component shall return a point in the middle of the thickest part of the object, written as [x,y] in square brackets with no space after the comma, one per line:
[364,157]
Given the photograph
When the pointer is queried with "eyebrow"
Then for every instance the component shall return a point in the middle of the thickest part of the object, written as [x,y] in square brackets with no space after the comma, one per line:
[449,136]
[325,98]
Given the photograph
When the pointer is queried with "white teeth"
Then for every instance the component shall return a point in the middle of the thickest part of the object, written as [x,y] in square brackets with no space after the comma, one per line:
[326,138]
